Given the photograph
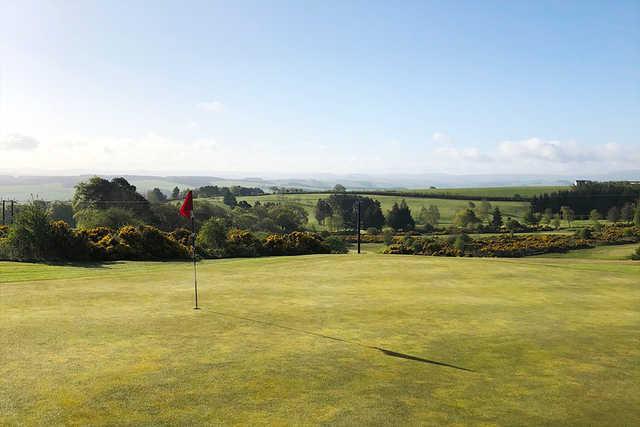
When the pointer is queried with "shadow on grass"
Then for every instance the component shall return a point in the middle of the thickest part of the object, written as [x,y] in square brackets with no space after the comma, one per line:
[385,351]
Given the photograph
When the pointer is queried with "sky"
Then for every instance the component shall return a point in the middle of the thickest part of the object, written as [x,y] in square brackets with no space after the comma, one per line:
[303,87]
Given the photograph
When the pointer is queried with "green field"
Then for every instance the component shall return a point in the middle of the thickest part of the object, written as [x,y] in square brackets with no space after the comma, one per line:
[619,252]
[291,340]
[526,191]
[447,207]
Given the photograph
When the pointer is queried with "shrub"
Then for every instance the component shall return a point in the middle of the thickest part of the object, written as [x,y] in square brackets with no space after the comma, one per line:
[296,243]
[112,218]
[4,231]
[636,255]
[212,236]
[336,245]
[387,235]
[242,243]
[30,235]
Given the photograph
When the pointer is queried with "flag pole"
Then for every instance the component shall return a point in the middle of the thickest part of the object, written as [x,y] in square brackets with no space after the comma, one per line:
[195,275]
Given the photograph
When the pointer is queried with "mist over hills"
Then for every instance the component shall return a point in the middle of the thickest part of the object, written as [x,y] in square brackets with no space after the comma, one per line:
[62,187]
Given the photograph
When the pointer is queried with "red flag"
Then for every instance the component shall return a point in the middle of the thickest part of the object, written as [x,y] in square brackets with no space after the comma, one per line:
[186,210]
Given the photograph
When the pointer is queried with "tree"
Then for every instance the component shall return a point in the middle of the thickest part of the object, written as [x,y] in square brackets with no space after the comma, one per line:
[613,214]
[175,193]
[430,215]
[636,217]
[156,196]
[496,220]
[555,222]
[98,193]
[228,198]
[567,214]
[626,213]
[112,217]
[323,210]
[531,218]
[387,236]
[399,217]
[30,235]
[212,235]
[484,209]
[62,211]
[339,188]
[465,218]
[594,215]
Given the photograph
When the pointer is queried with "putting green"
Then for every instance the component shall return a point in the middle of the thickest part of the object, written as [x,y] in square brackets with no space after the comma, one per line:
[548,341]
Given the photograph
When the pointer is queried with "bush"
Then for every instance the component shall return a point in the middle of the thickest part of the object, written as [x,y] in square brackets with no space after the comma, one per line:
[212,236]
[111,218]
[4,231]
[336,245]
[296,243]
[636,255]
[30,235]
[241,243]
[387,235]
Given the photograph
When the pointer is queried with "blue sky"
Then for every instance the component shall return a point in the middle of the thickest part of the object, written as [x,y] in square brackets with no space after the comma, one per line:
[307,87]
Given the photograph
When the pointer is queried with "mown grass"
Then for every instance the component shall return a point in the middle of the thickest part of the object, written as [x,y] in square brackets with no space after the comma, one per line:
[618,252]
[549,341]
[447,207]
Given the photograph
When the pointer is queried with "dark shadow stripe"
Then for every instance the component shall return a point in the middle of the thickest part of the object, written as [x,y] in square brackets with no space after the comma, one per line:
[316,334]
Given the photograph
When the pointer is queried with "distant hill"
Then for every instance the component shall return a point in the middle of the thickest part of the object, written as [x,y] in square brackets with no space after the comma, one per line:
[62,187]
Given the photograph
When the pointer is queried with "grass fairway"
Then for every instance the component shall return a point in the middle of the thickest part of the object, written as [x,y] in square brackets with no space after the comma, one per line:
[549,341]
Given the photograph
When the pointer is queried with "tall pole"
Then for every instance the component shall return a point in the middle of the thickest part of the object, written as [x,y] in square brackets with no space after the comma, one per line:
[195,275]
[358,227]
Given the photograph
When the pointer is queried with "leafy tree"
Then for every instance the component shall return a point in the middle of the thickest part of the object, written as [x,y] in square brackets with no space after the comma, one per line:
[555,222]
[98,193]
[323,210]
[156,196]
[213,235]
[30,235]
[339,188]
[344,206]
[62,211]
[465,218]
[626,212]
[594,215]
[531,218]
[111,217]
[399,217]
[288,217]
[636,217]
[243,204]
[496,220]
[430,215]
[175,193]
[567,214]
[228,198]
[484,209]
[613,214]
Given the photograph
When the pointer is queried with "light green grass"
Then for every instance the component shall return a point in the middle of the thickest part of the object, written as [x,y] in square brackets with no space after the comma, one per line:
[524,191]
[447,207]
[618,252]
[550,342]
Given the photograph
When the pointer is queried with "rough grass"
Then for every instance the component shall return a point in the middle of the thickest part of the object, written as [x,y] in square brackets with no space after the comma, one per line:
[447,207]
[549,341]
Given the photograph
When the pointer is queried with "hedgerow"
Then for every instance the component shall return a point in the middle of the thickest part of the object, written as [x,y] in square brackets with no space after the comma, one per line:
[513,245]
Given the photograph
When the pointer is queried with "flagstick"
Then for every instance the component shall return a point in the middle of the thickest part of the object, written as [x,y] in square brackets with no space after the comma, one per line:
[195,276]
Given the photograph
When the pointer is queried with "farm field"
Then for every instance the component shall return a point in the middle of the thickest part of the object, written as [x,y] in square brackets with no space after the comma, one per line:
[525,191]
[448,208]
[293,340]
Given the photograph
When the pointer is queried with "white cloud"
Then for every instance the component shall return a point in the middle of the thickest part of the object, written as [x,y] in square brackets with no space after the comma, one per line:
[441,138]
[18,142]
[212,106]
